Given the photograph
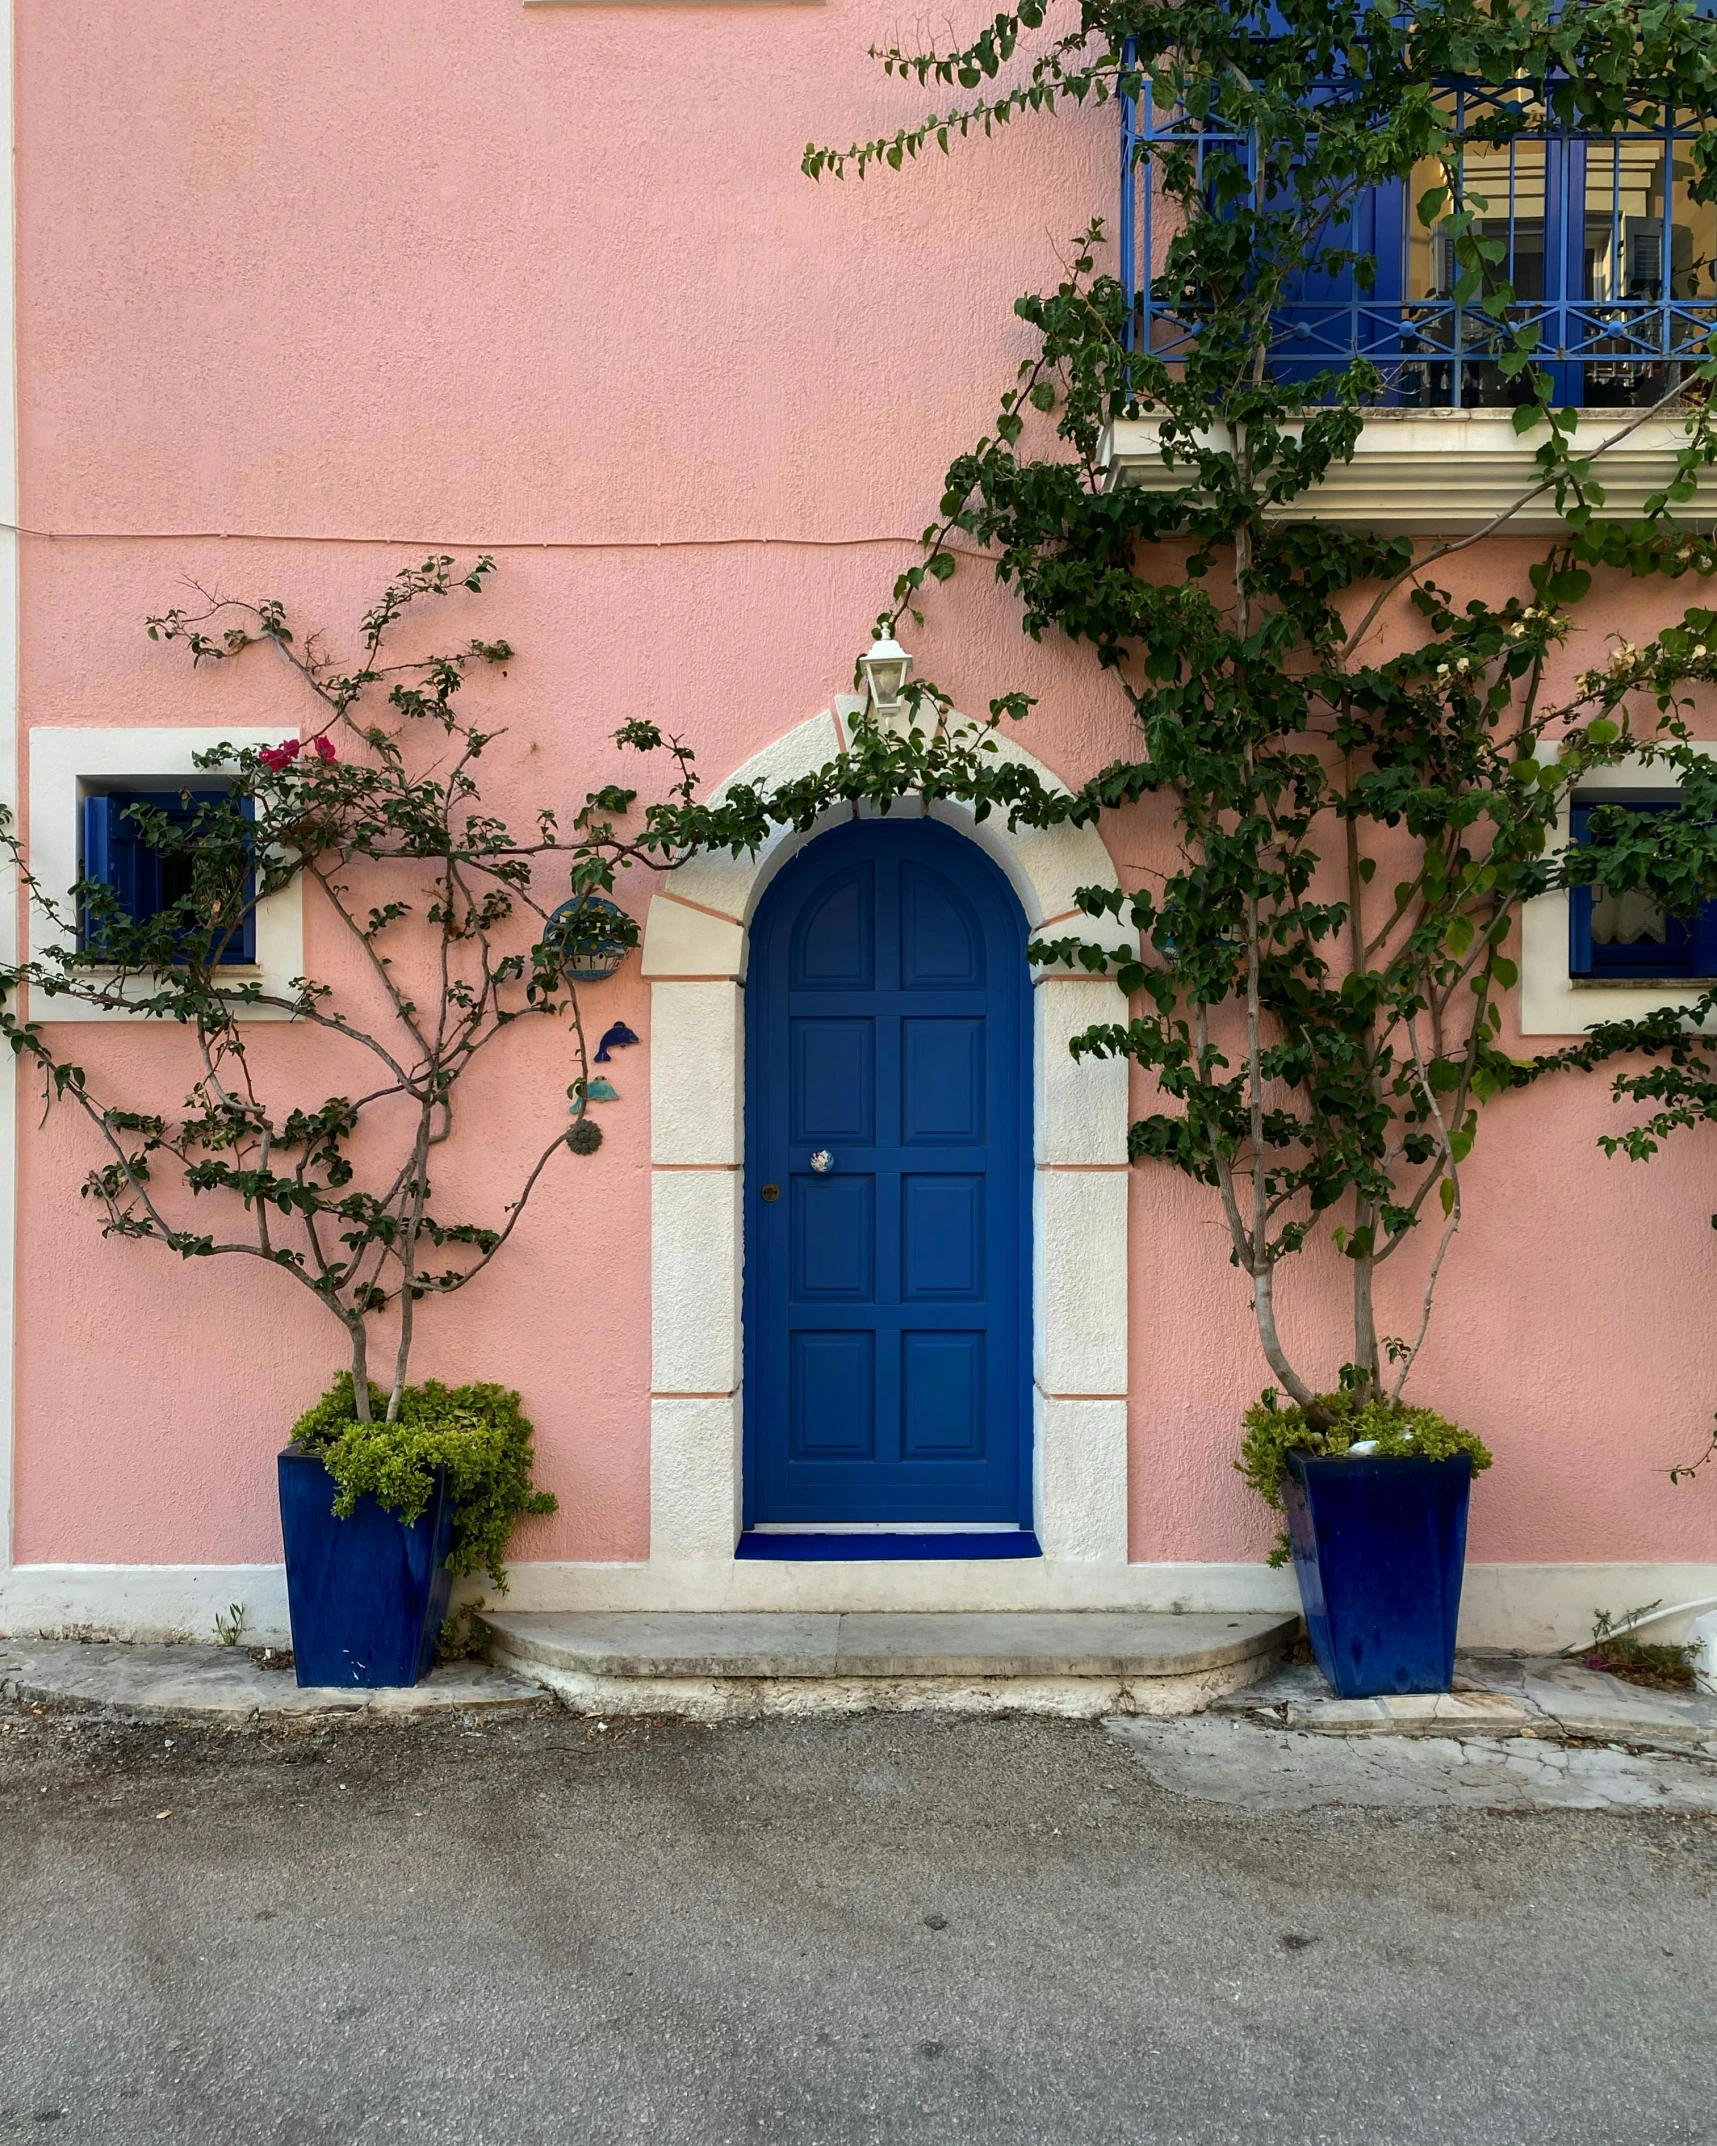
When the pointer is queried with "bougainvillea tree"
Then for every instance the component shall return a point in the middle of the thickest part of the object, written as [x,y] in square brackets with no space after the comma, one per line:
[1369,776]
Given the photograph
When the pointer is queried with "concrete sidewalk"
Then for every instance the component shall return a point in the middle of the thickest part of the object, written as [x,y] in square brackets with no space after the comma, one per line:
[231,1685]
[1508,1695]
[1147,1666]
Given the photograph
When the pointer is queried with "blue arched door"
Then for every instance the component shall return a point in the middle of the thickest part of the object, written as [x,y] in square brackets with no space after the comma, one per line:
[887,1190]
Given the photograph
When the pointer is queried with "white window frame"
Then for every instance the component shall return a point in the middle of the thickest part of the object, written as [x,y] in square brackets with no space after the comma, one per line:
[73,761]
[1553,1003]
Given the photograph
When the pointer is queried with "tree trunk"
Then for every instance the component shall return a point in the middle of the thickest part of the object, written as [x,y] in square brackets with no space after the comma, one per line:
[1366,1359]
[408,1262]
[1264,1310]
[360,1369]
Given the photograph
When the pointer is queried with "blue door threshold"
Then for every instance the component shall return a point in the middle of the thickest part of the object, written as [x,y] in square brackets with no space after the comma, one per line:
[1004,1542]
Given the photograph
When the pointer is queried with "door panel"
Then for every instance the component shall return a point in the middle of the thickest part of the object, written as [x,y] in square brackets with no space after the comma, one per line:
[834,1240]
[833,1395]
[943,1412]
[833,943]
[941,1080]
[833,1080]
[941,1239]
[942,942]
[886,1294]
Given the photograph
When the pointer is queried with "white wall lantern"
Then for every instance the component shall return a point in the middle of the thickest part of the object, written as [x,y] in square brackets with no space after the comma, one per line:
[885,665]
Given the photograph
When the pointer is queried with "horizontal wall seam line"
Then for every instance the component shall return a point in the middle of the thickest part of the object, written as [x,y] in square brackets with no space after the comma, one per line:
[703,909]
[1048,1396]
[725,1393]
[443,543]
[706,976]
[1084,1166]
[697,1166]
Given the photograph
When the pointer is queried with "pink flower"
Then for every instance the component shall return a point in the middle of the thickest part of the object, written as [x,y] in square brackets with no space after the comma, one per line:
[325,749]
[277,758]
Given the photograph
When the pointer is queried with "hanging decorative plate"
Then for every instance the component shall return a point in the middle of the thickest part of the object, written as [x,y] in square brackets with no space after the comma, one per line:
[593,935]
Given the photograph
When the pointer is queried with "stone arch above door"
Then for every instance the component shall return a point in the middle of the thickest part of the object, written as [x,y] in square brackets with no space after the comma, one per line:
[695,950]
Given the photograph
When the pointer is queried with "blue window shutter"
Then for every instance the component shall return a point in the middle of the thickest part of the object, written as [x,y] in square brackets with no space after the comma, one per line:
[243,947]
[96,863]
[95,848]
[1565,264]
[1580,907]
[1705,941]
[112,853]
[1325,319]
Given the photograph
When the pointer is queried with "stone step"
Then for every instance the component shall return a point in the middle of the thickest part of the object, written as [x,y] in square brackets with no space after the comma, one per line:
[1060,1661]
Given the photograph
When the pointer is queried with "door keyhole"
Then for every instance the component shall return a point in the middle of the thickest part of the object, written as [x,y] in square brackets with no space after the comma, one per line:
[771,1192]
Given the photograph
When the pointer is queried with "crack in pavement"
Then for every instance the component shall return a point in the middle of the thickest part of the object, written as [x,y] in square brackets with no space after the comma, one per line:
[1242,1762]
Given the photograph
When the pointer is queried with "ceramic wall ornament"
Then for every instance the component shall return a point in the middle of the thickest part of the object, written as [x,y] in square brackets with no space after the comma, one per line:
[615,1038]
[593,936]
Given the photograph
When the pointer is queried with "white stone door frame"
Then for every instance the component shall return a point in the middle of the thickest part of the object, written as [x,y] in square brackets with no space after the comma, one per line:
[695,951]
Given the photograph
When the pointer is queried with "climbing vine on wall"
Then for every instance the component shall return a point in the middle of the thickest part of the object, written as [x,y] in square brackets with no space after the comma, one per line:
[1317,965]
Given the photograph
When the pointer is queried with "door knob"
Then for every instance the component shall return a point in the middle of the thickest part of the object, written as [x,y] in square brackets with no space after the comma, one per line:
[822,1162]
[772,1192]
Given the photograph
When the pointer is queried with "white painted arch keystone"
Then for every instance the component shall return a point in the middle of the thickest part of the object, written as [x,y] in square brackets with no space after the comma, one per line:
[695,950]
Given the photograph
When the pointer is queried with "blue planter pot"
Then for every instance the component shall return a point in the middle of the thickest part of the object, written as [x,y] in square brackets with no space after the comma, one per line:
[367,1594]
[1379,1547]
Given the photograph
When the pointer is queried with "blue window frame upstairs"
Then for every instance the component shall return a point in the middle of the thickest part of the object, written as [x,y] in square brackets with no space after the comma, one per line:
[1629,935]
[144,879]
[1608,256]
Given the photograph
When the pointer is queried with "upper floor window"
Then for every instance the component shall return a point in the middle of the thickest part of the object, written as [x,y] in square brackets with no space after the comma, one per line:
[1598,238]
[1629,935]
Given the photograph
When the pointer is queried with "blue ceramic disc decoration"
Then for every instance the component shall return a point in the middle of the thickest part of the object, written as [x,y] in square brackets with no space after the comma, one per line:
[593,936]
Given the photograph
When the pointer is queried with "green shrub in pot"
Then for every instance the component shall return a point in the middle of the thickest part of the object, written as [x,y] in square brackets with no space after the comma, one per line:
[479,1434]
[1380,1426]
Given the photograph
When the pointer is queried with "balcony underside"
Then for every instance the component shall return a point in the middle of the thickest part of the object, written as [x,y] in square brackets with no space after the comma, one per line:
[1446,472]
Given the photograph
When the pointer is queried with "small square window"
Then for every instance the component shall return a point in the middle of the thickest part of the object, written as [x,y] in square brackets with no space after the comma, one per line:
[1629,935]
[147,880]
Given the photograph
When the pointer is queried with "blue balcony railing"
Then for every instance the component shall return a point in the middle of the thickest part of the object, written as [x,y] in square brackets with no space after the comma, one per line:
[1605,252]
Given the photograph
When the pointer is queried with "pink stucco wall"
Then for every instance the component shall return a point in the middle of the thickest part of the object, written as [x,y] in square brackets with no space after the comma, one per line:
[549,282]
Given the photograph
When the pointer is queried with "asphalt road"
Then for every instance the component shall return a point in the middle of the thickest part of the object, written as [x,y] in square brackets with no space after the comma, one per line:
[891,1930]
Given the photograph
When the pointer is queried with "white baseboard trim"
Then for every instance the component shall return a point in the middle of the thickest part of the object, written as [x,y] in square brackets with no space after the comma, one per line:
[1527,1607]
[147,1602]
[1536,1608]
